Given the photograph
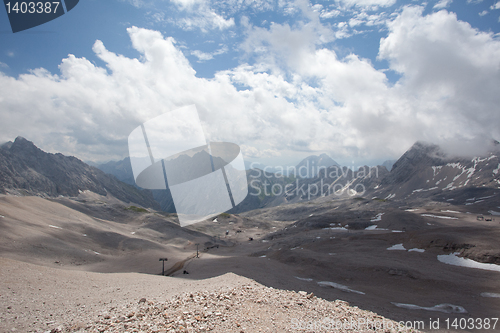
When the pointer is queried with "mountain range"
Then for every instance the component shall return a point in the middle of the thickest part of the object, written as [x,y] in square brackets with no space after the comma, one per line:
[27,170]
[423,171]
[410,228]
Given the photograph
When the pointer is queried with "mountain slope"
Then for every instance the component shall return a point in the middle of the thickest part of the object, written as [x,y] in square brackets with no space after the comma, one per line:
[425,170]
[29,170]
[311,165]
[122,170]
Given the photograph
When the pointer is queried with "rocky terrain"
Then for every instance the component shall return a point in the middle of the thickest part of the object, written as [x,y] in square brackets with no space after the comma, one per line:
[27,170]
[36,300]
[424,171]
[401,249]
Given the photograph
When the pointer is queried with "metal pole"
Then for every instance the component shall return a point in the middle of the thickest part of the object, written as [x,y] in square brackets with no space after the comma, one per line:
[197,250]
[163,266]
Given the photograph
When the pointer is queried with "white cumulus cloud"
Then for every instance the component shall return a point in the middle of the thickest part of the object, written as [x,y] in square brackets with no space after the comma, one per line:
[293,94]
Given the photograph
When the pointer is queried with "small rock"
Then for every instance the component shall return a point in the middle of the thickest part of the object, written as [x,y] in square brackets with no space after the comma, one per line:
[142,300]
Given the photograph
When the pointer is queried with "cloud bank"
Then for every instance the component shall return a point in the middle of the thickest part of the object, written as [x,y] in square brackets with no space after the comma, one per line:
[292,94]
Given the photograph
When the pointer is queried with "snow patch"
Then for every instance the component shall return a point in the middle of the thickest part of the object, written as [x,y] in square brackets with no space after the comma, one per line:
[397,247]
[416,250]
[453,259]
[436,170]
[304,279]
[377,217]
[53,226]
[440,216]
[425,190]
[492,212]
[446,308]
[215,220]
[495,295]
[495,171]
[339,286]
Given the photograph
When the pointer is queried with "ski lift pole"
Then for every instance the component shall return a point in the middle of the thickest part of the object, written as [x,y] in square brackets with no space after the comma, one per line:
[163,265]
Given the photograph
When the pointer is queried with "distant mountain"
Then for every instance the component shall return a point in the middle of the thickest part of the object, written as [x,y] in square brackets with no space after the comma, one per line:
[122,170]
[337,182]
[6,145]
[426,170]
[388,164]
[27,169]
[423,171]
[259,182]
[309,167]
[265,189]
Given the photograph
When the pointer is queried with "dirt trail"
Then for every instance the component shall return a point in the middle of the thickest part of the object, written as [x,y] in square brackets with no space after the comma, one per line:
[179,265]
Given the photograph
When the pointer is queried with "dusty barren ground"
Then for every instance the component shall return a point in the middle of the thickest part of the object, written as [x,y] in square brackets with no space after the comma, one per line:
[236,284]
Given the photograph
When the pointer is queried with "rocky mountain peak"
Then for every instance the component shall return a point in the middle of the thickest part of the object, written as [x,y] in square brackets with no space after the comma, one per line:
[6,145]
[311,165]
[421,154]
[26,169]
[22,145]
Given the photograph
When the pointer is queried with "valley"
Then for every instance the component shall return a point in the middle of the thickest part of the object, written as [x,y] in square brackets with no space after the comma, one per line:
[403,249]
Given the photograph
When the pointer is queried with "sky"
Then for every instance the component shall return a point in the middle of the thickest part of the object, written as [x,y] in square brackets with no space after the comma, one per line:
[360,80]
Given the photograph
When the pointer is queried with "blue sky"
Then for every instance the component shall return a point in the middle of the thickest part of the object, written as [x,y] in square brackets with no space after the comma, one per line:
[358,79]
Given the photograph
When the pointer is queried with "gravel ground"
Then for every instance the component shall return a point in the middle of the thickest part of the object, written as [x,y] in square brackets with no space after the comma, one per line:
[41,299]
[247,308]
